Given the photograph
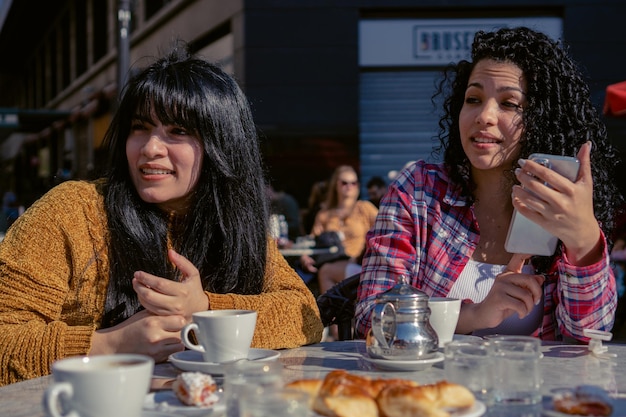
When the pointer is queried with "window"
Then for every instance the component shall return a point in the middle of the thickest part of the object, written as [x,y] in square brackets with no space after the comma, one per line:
[153,6]
[100,17]
[81,37]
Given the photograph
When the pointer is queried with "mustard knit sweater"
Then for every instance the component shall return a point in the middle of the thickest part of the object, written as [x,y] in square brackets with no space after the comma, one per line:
[53,277]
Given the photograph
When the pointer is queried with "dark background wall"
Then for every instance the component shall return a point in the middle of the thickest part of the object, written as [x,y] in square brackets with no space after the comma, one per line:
[304,89]
[301,69]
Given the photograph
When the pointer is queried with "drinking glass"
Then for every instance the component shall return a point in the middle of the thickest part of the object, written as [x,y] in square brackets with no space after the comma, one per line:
[517,373]
[243,376]
[470,363]
[273,402]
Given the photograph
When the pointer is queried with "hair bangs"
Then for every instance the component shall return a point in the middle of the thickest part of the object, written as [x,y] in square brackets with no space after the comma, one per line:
[171,101]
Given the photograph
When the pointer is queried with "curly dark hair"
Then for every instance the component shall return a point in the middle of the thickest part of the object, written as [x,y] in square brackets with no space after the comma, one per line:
[224,232]
[558,117]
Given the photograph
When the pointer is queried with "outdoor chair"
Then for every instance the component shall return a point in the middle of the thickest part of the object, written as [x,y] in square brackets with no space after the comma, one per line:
[337,306]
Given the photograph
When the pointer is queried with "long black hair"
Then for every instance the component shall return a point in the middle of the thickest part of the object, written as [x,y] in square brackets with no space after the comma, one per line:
[224,231]
[557,119]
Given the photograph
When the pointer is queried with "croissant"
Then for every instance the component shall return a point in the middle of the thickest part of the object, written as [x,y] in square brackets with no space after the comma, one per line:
[432,400]
[344,395]
[341,394]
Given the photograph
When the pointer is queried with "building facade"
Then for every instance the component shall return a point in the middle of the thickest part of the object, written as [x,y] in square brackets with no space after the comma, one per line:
[330,82]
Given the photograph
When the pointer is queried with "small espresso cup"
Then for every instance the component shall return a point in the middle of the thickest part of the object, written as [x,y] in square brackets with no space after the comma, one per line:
[99,386]
[223,335]
[444,316]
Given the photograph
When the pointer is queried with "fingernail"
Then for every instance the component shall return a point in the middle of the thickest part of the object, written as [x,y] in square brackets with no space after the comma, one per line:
[590,145]
[521,162]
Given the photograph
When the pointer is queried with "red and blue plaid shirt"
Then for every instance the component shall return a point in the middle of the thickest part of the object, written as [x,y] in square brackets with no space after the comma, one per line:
[426,231]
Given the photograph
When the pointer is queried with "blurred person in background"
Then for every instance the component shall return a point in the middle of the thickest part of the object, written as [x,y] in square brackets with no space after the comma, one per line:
[376,189]
[315,202]
[348,217]
[283,203]
[11,210]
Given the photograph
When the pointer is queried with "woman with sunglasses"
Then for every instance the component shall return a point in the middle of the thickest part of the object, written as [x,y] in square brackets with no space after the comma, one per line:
[351,218]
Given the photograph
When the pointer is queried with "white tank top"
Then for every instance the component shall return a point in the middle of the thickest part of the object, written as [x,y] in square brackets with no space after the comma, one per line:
[475,282]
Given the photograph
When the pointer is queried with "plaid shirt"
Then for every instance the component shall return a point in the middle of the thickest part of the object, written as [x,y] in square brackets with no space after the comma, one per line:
[426,231]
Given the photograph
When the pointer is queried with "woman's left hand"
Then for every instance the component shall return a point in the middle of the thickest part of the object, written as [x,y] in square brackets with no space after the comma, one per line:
[564,208]
[165,297]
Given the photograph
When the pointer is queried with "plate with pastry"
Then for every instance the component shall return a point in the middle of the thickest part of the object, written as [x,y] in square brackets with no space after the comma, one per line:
[584,400]
[190,360]
[192,394]
[342,394]
[404,365]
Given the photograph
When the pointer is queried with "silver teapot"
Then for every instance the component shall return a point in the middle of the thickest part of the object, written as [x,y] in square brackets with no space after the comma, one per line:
[401,327]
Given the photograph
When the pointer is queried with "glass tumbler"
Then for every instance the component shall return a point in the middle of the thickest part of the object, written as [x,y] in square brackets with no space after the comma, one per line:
[274,402]
[470,363]
[243,376]
[517,372]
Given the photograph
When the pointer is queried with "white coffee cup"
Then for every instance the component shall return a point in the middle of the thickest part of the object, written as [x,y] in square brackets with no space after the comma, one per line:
[223,335]
[444,316]
[99,386]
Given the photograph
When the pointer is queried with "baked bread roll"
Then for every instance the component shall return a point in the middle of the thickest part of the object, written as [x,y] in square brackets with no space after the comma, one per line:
[310,386]
[345,395]
[434,400]
[341,394]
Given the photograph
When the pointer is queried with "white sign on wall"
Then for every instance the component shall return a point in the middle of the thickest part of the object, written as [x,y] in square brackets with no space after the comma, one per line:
[433,42]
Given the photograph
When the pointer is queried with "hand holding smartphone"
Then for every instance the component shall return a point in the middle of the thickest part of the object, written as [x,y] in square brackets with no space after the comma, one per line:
[524,235]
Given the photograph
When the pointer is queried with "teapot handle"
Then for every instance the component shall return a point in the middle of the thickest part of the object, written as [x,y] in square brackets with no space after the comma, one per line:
[380,310]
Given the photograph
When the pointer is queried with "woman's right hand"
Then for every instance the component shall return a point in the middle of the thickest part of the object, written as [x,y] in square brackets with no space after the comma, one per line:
[308,263]
[143,333]
[512,292]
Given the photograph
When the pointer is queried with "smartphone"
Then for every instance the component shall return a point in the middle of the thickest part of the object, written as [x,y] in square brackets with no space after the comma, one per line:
[524,235]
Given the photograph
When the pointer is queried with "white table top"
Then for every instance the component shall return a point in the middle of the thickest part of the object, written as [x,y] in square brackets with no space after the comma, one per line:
[562,366]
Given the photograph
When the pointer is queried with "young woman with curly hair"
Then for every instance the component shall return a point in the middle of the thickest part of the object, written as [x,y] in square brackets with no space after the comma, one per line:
[178,225]
[444,226]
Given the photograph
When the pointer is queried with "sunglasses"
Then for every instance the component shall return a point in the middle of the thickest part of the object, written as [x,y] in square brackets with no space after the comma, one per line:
[344,183]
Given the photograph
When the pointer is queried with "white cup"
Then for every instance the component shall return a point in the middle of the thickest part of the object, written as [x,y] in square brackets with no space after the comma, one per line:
[99,386]
[223,335]
[444,316]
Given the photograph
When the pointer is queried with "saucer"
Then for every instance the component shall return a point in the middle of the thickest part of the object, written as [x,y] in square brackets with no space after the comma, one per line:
[149,413]
[166,402]
[400,365]
[190,360]
[477,410]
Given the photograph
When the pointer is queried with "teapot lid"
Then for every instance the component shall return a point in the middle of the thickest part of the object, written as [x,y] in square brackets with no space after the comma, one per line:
[402,291]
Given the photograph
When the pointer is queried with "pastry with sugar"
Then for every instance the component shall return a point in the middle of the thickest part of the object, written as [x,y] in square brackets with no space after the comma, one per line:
[195,388]
[585,400]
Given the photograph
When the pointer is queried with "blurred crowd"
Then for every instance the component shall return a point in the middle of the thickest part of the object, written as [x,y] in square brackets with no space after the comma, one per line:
[335,210]
[11,210]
